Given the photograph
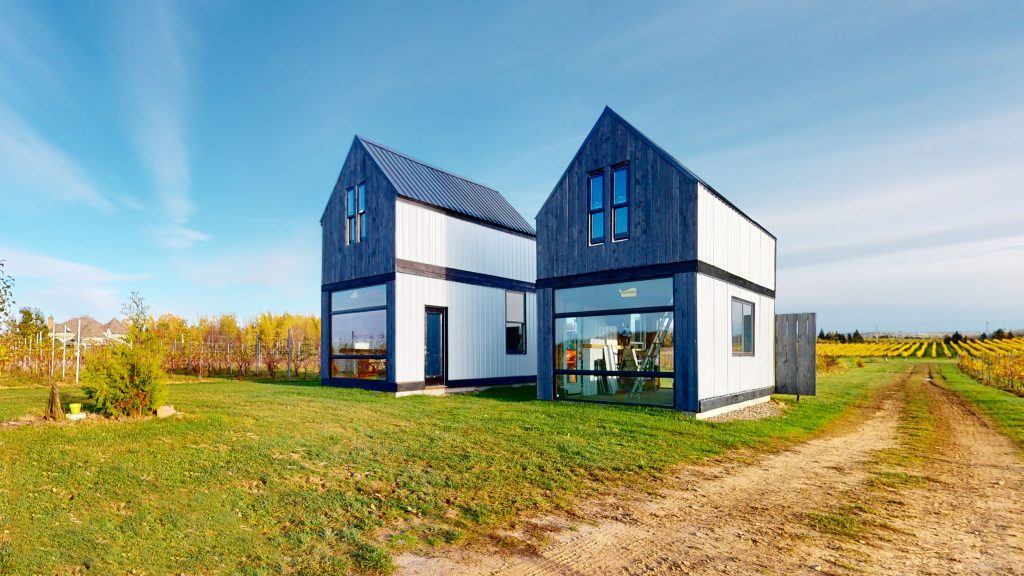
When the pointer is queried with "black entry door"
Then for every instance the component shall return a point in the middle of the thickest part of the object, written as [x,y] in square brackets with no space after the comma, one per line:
[436,348]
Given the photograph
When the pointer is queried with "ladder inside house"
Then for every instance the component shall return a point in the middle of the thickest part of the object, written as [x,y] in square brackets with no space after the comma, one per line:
[652,353]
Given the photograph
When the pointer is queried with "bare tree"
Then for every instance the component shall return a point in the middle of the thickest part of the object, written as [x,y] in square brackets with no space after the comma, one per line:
[136,314]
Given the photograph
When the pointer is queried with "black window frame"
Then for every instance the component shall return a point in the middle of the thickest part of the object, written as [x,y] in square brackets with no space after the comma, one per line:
[622,166]
[350,216]
[522,325]
[331,357]
[753,328]
[361,210]
[591,211]
[670,308]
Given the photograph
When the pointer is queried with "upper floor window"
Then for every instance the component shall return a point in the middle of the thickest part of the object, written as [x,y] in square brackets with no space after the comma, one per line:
[361,208]
[742,328]
[620,203]
[596,192]
[515,322]
[350,215]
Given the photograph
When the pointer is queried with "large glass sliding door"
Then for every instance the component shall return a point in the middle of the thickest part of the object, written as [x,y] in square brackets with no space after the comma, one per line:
[616,343]
[359,342]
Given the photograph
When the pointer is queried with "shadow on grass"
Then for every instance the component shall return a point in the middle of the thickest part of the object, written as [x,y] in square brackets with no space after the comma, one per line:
[309,383]
[510,393]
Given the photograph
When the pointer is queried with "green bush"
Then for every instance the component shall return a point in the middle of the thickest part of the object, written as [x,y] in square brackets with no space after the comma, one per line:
[123,380]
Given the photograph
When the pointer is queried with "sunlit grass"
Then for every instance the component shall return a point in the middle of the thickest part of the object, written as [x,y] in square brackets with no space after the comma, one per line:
[260,478]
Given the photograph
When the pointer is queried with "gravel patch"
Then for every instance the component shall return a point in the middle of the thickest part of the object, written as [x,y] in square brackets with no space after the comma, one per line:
[755,412]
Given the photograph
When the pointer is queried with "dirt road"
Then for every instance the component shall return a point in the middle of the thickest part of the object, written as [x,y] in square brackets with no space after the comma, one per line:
[817,508]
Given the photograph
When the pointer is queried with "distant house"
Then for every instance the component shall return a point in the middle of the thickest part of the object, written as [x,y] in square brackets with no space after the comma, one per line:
[652,288]
[93,332]
[427,281]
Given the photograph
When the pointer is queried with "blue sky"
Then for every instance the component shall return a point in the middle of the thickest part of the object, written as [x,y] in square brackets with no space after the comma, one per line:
[187,149]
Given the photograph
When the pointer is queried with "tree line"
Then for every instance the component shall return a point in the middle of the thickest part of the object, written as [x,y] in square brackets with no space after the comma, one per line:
[269,345]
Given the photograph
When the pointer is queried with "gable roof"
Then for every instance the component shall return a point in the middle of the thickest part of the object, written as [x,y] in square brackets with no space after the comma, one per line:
[663,154]
[428,184]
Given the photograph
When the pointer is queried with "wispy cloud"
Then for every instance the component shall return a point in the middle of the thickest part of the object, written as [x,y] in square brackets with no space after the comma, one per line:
[284,264]
[65,288]
[156,52]
[30,163]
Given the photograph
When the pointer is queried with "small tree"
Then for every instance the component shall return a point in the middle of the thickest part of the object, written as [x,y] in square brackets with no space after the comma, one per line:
[124,380]
[127,379]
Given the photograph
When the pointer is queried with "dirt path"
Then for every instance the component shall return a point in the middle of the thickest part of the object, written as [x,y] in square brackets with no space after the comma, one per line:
[970,519]
[752,518]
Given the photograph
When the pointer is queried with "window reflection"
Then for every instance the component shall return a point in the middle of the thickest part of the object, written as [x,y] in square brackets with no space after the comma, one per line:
[359,333]
[620,342]
[621,296]
[616,343]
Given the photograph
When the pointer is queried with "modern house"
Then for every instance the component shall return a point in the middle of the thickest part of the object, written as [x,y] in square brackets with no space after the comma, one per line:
[652,288]
[428,280]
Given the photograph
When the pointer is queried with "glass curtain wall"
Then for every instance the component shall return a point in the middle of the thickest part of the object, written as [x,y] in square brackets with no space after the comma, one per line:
[359,327]
[616,343]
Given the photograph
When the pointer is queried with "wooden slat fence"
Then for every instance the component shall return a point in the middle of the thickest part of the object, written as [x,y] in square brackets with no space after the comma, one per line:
[795,340]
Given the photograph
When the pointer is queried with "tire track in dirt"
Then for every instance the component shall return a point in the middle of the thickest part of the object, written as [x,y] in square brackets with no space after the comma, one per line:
[970,518]
[751,518]
[727,517]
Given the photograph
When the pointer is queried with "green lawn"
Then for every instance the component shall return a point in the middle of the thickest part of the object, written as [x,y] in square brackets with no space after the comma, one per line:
[1004,409]
[261,478]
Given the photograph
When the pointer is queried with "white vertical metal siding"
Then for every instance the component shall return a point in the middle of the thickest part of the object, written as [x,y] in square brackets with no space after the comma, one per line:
[476,329]
[719,372]
[729,241]
[431,237]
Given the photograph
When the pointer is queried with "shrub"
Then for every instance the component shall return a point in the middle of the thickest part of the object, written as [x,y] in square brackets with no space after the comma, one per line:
[124,380]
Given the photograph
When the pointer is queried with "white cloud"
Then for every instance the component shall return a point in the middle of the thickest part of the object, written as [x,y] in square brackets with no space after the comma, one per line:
[29,163]
[910,229]
[155,51]
[64,288]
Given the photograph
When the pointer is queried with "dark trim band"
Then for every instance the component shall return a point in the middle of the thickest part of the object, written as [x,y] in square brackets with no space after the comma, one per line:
[614,373]
[729,399]
[719,274]
[614,312]
[653,271]
[358,282]
[462,276]
[469,383]
[372,385]
[382,386]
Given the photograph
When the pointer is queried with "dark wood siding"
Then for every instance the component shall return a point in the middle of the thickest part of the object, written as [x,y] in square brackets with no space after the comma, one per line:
[545,344]
[376,254]
[685,296]
[663,209]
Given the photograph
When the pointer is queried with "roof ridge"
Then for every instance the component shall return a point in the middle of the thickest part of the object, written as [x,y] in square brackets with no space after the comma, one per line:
[661,152]
[422,163]
[425,182]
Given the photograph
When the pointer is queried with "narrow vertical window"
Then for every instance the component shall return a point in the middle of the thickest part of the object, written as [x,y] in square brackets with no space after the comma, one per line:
[350,215]
[515,322]
[620,203]
[361,199]
[742,328]
[596,192]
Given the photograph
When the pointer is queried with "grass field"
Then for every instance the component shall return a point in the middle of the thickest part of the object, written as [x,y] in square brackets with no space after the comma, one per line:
[1005,410]
[264,478]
